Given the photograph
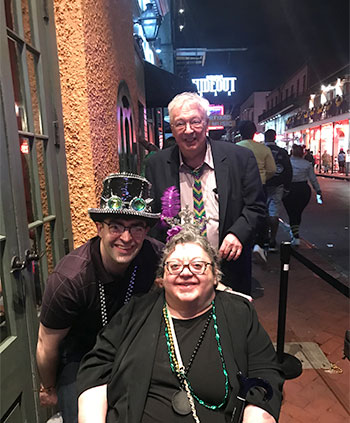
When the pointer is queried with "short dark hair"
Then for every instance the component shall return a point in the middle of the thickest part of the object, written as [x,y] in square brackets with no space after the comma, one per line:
[247,129]
[270,135]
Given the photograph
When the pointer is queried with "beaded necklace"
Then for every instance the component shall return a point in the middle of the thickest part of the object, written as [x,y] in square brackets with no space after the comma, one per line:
[102,296]
[176,361]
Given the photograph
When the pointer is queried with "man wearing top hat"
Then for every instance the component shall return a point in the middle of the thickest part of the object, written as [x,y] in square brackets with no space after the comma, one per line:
[90,284]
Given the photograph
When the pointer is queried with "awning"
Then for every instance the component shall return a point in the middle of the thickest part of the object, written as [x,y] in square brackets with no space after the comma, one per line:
[162,86]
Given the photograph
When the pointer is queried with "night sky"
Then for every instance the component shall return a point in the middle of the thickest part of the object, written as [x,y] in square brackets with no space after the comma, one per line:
[281,36]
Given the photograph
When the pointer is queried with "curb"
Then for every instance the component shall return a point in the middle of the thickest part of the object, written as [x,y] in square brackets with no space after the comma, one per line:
[333,176]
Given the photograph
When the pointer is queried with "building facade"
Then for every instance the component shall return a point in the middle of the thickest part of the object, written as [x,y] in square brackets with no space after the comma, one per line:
[72,109]
[253,107]
[317,115]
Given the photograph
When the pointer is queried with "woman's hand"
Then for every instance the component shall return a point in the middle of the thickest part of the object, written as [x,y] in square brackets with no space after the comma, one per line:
[254,414]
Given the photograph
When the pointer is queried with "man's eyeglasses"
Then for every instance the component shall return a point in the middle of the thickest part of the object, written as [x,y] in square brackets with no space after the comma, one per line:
[116,229]
[181,125]
[195,267]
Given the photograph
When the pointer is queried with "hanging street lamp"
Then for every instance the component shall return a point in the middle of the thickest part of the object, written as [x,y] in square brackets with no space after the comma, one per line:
[150,22]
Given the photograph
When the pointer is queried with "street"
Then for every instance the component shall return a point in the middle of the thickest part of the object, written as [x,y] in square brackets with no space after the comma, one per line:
[326,226]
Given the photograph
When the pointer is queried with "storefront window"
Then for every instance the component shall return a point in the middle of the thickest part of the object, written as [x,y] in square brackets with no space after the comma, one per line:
[326,135]
[341,136]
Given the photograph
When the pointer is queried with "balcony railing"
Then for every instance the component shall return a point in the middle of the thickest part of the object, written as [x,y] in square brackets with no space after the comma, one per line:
[334,107]
[286,104]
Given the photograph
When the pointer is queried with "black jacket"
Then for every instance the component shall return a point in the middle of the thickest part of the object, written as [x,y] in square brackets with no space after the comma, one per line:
[284,172]
[124,354]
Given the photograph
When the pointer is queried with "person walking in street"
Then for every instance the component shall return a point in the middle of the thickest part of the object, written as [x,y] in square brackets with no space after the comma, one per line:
[267,169]
[277,186]
[217,180]
[326,161]
[341,161]
[309,157]
[90,284]
[300,191]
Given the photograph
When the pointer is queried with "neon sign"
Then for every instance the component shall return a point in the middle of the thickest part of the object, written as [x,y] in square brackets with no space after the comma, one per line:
[215,84]
[215,110]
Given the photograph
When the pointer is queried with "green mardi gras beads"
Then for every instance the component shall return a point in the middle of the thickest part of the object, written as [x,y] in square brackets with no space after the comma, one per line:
[174,364]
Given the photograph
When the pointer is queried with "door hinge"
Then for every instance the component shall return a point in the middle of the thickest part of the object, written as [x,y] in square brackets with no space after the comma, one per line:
[56,132]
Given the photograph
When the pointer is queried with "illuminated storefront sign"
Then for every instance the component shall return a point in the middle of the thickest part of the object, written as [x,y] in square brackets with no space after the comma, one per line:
[215,84]
[215,110]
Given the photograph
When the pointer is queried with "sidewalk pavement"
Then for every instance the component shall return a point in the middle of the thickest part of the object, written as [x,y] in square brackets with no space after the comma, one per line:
[316,313]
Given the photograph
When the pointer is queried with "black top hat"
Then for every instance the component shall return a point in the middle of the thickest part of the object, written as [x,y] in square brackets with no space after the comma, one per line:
[125,194]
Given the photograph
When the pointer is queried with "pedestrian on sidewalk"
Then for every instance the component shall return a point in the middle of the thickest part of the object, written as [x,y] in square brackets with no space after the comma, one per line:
[341,161]
[326,161]
[300,191]
[278,186]
[309,156]
[267,169]
[347,163]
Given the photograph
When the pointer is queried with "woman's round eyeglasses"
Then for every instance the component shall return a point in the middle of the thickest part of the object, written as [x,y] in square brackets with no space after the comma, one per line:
[195,267]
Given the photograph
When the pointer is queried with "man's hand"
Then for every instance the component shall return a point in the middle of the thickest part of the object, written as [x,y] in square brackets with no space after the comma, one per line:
[47,357]
[47,397]
[254,414]
[231,248]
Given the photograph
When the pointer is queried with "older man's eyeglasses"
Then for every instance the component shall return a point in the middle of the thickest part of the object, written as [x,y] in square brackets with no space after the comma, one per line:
[195,267]
[181,125]
[116,229]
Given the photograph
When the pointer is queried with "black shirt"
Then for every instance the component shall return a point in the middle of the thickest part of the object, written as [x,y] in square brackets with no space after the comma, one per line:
[205,375]
[71,297]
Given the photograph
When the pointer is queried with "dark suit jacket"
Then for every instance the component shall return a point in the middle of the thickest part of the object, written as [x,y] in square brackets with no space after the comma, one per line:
[241,199]
[124,354]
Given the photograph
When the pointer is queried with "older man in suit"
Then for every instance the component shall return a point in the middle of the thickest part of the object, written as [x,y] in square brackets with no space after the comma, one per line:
[230,185]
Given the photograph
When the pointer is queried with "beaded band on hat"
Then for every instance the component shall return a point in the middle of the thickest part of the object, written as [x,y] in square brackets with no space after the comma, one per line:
[102,296]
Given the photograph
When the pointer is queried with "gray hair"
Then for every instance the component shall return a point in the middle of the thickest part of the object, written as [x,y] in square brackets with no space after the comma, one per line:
[188,97]
[190,236]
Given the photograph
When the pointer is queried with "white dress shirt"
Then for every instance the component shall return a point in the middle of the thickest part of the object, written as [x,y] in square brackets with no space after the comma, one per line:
[209,190]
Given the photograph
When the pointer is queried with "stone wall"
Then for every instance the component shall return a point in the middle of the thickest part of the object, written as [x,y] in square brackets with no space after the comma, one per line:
[96,53]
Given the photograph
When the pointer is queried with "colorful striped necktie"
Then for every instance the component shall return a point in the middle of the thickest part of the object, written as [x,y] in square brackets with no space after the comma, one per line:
[198,203]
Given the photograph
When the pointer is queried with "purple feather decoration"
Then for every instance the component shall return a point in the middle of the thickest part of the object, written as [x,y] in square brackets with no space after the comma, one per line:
[170,202]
